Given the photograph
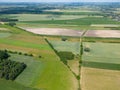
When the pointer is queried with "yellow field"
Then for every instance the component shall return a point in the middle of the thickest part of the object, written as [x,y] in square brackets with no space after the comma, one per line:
[99,79]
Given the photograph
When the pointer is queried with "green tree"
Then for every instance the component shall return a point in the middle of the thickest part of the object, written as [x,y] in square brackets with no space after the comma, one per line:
[4,55]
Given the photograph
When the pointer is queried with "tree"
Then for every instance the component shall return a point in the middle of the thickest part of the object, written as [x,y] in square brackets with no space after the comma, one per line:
[4,55]
[11,24]
[86,49]
[64,38]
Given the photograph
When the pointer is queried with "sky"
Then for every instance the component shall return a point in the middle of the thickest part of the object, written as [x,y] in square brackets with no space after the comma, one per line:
[59,0]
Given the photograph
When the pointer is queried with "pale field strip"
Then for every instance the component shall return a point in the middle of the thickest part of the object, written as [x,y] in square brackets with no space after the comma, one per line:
[104,25]
[3,29]
[55,31]
[103,33]
[71,10]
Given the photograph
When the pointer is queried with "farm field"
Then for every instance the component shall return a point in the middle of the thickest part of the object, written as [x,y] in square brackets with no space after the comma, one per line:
[103,33]
[102,55]
[47,71]
[40,17]
[10,85]
[55,31]
[93,78]
[101,65]
[79,9]
[73,47]
[45,36]
[81,21]
[86,23]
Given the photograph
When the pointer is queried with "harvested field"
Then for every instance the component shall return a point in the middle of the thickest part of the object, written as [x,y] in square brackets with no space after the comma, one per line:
[3,29]
[99,79]
[55,31]
[103,33]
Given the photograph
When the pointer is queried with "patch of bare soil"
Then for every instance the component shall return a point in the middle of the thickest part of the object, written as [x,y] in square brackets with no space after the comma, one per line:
[103,33]
[55,31]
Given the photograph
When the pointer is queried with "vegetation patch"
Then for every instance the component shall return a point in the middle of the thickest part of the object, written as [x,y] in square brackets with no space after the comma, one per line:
[9,69]
[64,56]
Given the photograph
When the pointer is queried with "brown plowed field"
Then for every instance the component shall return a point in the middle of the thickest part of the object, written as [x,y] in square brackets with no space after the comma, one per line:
[103,33]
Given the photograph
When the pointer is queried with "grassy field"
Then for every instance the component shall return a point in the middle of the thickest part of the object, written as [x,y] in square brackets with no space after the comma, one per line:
[9,85]
[4,35]
[31,72]
[73,47]
[40,17]
[102,55]
[103,50]
[81,21]
[41,73]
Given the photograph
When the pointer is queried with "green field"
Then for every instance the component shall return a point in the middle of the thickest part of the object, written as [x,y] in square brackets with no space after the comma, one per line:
[76,24]
[81,21]
[4,35]
[10,85]
[99,68]
[102,55]
[101,64]
[73,47]
[40,17]
[41,73]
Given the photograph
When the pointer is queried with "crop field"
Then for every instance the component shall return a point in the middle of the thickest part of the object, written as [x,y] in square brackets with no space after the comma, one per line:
[84,23]
[103,33]
[73,47]
[40,71]
[10,85]
[73,10]
[74,65]
[102,53]
[39,17]
[91,31]
[81,21]
[55,31]
[101,64]
[100,79]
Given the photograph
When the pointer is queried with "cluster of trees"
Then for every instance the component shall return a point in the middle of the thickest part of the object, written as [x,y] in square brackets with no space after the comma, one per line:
[9,69]
[11,24]
[8,20]
[64,56]
[20,53]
